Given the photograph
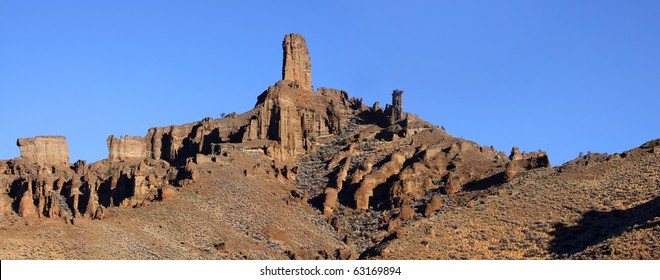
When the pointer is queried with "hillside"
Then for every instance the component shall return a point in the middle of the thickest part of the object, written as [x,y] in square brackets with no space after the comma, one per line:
[594,207]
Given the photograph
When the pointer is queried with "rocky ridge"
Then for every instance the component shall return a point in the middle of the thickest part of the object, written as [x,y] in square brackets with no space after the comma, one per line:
[304,175]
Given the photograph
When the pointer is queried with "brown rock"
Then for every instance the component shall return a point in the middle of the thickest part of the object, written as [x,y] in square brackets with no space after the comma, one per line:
[330,202]
[297,66]
[44,149]
[58,208]
[5,205]
[380,176]
[453,186]
[434,205]
[364,168]
[167,193]
[93,198]
[523,162]
[336,224]
[515,154]
[407,212]
[344,254]
[126,148]
[397,107]
[394,224]
[26,206]
[347,240]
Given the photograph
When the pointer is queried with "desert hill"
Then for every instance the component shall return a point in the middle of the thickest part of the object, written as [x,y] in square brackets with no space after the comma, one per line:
[594,207]
[319,175]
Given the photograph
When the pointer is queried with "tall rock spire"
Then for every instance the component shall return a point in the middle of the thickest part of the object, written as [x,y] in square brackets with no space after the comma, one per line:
[297,66]
[397,106]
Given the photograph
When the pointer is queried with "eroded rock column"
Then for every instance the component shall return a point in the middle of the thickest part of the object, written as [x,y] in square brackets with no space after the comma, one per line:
[297,66]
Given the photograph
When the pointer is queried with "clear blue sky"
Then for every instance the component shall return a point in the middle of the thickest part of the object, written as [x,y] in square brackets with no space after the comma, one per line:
[562,76]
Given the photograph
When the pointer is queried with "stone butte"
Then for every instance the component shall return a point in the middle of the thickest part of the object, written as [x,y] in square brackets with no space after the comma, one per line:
[44,149]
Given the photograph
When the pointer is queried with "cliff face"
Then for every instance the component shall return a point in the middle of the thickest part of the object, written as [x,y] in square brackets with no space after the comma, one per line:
[120,149]
[45,149]
[81,190]
[296,119]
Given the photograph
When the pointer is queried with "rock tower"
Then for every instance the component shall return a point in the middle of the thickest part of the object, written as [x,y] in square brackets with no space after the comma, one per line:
[397,106]
[297,66]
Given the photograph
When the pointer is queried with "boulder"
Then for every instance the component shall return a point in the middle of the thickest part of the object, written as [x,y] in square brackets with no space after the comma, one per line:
[434,205]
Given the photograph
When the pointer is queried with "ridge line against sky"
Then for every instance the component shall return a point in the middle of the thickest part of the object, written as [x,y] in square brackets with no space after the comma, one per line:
[562,76]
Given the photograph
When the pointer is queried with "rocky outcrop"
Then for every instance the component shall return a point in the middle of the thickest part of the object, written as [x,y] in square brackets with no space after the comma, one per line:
[434,205]
[296,66]
[175,144]
[26,206]
[521,162]
[376,158]
[397,107]
[372,180]
[332,191]
[42,150]
[127,147]
[295,121]
[80,190]
[287,120]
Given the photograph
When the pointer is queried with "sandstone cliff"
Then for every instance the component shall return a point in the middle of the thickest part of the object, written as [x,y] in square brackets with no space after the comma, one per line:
[45,149]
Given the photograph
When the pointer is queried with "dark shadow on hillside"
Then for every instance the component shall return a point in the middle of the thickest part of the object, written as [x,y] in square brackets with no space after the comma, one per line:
[375,250]
[595,227]
[485,183]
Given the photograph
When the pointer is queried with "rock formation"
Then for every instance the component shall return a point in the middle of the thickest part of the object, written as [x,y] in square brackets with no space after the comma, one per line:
[285,122]
[126,148]
[524,161]
[397,107]
[407,158]
[434,205]
[80,190]
[297,66]
[42,150]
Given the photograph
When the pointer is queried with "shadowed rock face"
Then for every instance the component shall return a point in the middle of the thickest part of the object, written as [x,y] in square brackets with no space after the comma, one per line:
[297,66]
[41,150]
[80,190]
[521,162]
[397,107]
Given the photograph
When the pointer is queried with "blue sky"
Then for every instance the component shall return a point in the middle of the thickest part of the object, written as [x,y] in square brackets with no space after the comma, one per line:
[562,76]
